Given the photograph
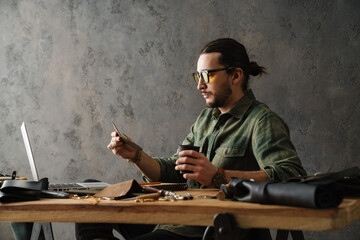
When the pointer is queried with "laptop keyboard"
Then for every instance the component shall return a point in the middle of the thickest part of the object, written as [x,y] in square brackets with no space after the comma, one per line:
[76,186]
[64,186]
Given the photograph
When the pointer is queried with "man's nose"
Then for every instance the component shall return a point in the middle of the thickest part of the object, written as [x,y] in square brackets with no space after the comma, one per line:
[201,84]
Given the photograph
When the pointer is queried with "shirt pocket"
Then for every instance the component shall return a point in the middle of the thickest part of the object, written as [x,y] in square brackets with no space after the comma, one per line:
[229,157]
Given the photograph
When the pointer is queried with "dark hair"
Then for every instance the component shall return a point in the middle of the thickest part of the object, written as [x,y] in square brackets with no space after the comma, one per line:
[233,54]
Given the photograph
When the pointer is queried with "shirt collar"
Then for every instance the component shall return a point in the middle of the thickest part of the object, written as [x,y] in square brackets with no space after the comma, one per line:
[241,107]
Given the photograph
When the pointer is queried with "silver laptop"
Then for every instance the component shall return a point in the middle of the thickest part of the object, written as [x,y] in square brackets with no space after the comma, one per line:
[57,186]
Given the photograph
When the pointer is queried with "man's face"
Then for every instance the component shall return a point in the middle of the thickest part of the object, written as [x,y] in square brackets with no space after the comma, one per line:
[218,91]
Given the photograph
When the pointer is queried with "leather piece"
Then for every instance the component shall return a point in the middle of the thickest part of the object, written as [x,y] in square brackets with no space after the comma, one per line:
[20,190]
[120,190]
[19,197]
[310,195]
[348,180]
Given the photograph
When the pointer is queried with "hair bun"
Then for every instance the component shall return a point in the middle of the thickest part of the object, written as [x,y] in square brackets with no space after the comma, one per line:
[254,69]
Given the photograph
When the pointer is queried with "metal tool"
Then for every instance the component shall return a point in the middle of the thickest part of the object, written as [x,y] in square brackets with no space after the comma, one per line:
[125,139]
[188,196]
[164,193]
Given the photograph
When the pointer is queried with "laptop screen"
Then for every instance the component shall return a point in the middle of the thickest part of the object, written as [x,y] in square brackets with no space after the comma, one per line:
[29,152]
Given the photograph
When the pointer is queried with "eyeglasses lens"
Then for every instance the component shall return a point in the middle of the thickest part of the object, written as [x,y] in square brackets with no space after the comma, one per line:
[202,75]
[205,77]
[196,78]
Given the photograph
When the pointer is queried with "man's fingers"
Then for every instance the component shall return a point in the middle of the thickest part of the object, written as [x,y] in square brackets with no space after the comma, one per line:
[114,134]
[191,153]
[113,144]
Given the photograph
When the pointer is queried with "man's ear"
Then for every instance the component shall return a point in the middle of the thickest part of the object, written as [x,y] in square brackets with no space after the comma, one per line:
[238,75]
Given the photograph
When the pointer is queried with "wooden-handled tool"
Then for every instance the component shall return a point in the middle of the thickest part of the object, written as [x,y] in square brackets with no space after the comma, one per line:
[149,196]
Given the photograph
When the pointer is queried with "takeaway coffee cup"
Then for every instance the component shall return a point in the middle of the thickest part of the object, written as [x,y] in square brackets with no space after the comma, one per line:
[187,147]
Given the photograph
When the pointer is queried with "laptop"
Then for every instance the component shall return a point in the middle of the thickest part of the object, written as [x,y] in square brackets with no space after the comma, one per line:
[64,187]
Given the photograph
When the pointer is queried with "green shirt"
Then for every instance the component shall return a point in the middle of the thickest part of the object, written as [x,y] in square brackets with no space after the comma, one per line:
[249,137]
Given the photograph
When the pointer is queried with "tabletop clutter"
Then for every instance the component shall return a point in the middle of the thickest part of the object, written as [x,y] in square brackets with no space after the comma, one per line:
[315,191]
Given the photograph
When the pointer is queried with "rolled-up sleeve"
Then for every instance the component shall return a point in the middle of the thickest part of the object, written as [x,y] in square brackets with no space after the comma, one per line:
[273,149]
[168,172]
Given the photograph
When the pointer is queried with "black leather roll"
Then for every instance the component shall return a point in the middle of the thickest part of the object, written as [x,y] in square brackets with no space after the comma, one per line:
[29,195]
[20,185]
[309,195]
[19,190]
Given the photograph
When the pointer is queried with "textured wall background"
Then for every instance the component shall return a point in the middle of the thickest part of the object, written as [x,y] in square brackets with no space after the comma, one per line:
[69,68]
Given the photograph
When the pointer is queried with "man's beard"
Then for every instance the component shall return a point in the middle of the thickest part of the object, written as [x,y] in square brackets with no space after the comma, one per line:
[221,97]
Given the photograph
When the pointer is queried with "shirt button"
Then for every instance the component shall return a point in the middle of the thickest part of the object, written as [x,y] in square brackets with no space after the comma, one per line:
[209,149]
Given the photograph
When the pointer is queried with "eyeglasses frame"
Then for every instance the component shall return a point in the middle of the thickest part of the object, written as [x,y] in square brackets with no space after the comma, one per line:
[199,74]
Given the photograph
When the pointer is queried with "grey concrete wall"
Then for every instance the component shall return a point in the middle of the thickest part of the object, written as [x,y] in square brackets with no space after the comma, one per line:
[69,68]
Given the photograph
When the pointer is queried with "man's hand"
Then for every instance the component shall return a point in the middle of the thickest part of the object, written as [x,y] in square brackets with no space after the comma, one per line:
[149,166]
[203,170]
[120,148]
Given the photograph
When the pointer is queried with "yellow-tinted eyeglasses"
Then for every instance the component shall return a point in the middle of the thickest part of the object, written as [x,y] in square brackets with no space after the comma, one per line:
[204,75]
